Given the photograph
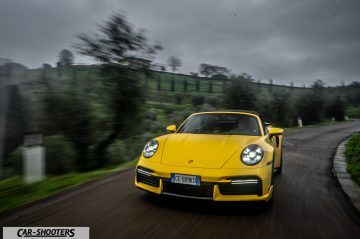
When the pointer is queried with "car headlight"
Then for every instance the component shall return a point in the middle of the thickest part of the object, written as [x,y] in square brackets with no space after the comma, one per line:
[252,154]
[150,148]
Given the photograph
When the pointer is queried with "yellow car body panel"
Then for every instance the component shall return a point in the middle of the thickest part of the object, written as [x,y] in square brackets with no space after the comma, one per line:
[215,159]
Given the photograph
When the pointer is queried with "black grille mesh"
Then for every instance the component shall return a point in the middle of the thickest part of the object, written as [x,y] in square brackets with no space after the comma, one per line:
[149,180]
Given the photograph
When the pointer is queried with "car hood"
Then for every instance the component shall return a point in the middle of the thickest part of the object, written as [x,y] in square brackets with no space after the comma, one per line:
[203,150]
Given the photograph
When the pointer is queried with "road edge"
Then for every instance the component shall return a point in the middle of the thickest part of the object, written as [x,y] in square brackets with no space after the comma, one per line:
[348,186]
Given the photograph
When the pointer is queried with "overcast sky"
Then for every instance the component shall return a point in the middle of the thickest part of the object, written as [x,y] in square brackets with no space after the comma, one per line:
[298,41]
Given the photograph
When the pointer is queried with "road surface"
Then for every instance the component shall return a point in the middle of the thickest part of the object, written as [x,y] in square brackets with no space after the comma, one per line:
[308,203]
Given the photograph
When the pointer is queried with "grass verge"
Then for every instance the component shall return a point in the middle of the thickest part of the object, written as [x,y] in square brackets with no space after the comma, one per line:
[352,154]
[13,192]
[353,111]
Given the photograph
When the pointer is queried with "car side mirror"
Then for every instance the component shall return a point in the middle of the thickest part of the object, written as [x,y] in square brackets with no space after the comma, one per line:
[171,128]
[275,131]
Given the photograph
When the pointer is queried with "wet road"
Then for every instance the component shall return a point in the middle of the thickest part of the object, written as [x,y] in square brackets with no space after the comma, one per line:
[307,202]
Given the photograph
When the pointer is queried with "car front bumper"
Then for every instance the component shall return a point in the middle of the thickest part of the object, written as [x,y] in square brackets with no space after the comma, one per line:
[216,184]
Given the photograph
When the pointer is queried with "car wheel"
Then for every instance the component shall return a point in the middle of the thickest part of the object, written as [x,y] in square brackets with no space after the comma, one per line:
[267,204]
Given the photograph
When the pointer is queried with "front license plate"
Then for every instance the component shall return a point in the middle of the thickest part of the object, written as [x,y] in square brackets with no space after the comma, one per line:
[185,179]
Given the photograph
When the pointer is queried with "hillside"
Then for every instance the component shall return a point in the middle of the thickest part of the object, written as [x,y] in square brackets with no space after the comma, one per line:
[159,84]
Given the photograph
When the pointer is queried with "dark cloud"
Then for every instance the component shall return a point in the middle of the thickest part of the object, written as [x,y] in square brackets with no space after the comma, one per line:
[283,40]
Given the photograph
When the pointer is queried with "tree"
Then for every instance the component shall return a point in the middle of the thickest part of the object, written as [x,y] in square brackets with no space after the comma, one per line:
[222,70]
[240,95]
[219,76]
[66,58]
[280,109]
[310,105]
[353,93]
[246,77]
[336,109]
[205,69]
[185,85]
[174,63]
[318,85]
[115,41]
[66,113]
[198,100]
[211,70]
[15,119]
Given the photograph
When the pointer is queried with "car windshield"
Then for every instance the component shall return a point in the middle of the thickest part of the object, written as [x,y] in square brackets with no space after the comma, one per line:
[232,124]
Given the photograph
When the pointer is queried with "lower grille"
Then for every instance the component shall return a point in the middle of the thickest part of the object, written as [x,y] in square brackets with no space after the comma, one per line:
[204,190]
[149,180]
[241,189]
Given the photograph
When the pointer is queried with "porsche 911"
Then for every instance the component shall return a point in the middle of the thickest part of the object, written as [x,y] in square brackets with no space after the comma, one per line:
[221,156]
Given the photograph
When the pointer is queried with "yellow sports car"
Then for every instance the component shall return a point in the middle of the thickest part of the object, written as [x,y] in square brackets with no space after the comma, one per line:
[223,156]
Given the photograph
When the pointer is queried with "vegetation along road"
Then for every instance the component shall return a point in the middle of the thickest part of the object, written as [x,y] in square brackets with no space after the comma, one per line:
[307,203]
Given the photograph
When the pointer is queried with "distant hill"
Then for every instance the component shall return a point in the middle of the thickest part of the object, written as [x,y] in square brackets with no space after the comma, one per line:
[166,87]
[159,80]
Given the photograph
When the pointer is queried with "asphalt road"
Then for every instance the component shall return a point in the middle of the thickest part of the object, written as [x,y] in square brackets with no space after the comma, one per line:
[308,203]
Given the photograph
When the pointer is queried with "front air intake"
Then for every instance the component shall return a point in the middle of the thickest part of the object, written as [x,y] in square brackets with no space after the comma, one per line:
[143,175]
[242,186]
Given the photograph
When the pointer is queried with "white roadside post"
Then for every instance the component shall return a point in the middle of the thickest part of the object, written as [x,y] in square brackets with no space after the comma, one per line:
[299,122]
[33,158]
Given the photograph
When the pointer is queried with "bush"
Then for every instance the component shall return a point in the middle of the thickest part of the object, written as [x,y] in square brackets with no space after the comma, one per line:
[147,124]
[137,145]
[310,107]
[69,114]
[60,155]
[156,127]
[215,101]
[179,98]
[198,100]
[16,160]
[336,109]
[207,108]
[239,95]
[117,153]
[168,110]
[281,109]
[151,114]
[353,112]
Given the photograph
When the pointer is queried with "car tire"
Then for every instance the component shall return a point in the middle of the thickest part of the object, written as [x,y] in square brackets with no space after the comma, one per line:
[279,169]
[281,164]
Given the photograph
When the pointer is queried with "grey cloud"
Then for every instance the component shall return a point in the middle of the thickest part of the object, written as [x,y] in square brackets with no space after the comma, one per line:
[287,41]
